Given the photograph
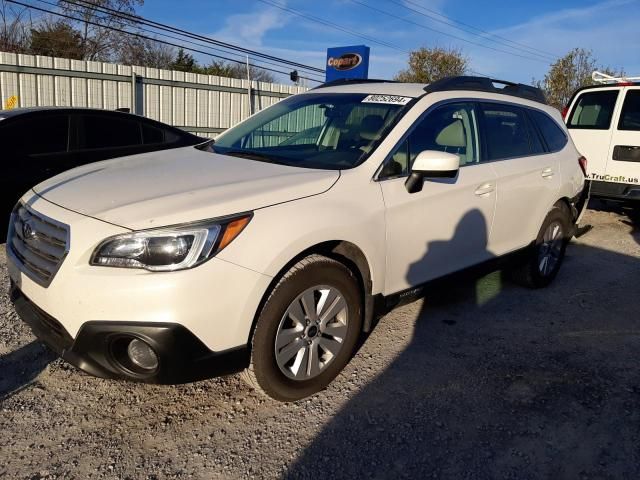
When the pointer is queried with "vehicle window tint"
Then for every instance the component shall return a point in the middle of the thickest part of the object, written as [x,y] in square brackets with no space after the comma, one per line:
[38,135]
[630,117]
[553,135]
[505,132]
[171,136]
[537,147]
[106,131]
[594,110]
[449,128]
[152,134]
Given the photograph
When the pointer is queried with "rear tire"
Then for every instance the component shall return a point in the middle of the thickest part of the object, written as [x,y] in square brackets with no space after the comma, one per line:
[544,259]
[307,330]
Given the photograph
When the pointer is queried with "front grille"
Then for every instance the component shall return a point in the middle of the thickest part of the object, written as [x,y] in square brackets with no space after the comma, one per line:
[39,243]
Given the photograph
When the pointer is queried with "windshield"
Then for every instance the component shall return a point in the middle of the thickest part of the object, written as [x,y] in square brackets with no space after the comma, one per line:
[329,131]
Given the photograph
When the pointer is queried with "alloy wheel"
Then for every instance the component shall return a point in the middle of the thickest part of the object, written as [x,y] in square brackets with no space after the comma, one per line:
[311,333]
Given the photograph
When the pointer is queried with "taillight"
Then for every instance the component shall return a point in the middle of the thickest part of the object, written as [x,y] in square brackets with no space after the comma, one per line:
[565,111]
[583,165]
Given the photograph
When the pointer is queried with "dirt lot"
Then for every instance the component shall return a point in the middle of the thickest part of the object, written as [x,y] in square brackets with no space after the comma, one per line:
[488,381]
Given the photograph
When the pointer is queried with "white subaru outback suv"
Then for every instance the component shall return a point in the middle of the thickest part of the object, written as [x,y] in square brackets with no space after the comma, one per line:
[273,249]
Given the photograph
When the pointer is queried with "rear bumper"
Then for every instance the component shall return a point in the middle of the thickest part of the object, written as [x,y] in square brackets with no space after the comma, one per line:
[615,191]
[182,356]
[579,203]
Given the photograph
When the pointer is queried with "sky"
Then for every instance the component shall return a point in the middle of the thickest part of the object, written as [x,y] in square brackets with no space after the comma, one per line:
[507,40]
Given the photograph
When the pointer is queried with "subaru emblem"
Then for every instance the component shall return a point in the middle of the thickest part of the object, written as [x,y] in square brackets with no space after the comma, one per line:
[28,232]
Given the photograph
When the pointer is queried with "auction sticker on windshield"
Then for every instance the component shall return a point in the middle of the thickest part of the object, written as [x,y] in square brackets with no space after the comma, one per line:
[388,99]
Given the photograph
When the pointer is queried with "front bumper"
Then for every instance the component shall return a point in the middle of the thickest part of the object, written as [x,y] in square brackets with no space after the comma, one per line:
[182,356]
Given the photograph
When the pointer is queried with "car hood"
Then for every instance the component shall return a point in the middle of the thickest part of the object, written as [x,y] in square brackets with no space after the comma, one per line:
[178,186]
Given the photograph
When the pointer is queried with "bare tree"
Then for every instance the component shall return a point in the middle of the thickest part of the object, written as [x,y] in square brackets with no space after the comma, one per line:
[14,28]
[99,39]
[426,65]
[568,74]
[146,53]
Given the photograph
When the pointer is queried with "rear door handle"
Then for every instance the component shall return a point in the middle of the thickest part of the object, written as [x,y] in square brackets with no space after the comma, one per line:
[485,189]
[547,172]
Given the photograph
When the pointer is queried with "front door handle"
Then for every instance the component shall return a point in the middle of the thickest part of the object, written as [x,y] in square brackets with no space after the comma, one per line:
[547,172]
[485,189]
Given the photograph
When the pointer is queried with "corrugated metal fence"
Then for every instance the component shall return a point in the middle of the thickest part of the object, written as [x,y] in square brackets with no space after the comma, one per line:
[203,104]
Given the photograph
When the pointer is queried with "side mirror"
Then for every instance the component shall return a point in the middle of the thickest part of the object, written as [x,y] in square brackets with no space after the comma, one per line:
[433,164]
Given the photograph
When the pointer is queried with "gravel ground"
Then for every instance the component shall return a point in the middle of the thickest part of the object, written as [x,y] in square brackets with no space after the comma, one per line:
[488,381]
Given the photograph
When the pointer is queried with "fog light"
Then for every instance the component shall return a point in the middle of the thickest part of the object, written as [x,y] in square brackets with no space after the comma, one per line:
[142,355]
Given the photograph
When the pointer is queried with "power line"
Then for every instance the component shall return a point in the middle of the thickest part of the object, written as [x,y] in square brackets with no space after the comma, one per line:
[452,22]
[406,20]
[33,7]
[176,38]
[333,25]
[141,20]
[346,30]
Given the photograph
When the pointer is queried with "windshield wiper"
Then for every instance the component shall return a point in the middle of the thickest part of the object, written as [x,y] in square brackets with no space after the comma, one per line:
[251,155]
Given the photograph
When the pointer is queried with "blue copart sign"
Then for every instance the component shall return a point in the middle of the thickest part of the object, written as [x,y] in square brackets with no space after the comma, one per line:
[347,62]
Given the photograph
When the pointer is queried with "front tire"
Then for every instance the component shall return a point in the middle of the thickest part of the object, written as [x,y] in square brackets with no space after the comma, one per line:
[544,259]
[307,330]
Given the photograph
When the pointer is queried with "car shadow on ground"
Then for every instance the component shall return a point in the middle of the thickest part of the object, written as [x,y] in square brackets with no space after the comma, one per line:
[502,382]
[20,368]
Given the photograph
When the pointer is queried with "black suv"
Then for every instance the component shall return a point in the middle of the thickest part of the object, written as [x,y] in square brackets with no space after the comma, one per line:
[38,143]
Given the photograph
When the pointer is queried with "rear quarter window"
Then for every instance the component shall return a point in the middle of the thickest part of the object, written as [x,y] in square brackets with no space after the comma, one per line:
[553,135]
[594,110]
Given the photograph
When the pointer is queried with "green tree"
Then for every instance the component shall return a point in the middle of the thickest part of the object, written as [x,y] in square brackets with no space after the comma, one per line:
[184,62]
[237,70]
[569,73]
[57,39]
[426,65]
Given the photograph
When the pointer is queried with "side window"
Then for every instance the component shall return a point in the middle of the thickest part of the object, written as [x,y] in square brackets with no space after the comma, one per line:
[630,117]
[151,134]
[506,131]
[594,110]
[36,136]
[449,128]
[553,135]
[108,131]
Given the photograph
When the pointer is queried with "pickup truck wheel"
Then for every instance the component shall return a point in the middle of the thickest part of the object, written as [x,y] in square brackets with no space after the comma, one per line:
[307,330]
[544,259]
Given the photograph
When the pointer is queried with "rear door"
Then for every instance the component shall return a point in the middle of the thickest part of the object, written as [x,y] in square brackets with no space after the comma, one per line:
[528,176]
[623,165]
[591,125]
[99,136]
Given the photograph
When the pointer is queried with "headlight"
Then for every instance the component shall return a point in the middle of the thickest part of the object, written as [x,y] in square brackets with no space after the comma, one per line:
[171,248]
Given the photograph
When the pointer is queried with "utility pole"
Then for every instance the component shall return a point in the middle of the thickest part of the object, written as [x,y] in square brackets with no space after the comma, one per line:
[249,86]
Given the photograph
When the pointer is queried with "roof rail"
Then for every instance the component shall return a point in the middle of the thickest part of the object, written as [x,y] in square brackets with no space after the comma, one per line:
[600,77]
[351,81]
[485,84]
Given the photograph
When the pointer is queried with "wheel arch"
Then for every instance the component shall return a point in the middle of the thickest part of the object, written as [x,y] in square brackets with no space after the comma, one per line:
[345,252]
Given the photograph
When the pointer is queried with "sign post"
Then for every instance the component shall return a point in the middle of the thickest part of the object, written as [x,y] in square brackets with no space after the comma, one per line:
[347,62]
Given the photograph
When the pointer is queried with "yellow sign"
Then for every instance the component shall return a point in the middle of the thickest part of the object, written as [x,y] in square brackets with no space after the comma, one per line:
[12,102]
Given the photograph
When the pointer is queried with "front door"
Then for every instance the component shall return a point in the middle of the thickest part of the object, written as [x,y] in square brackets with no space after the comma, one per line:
[444,227]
